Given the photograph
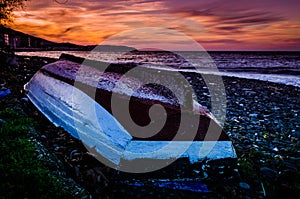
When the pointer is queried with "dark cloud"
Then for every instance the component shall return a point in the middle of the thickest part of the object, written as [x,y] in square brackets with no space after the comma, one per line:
[59,13]
[228,28]
[220,16]
[53,35]
[99,6]
[37,5]
[256,18]
[219,41]
[150,12]
[229,13]
[293,40]
[193,12]
[227,21]
[70,29]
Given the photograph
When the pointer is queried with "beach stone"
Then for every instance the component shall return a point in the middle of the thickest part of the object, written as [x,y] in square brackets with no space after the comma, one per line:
[270,174]
[4,92]
[247,142]
[43,136]
[297,135]
[24,99]
[250,93]
[275,149]
[291,166]
[2,121]
[244,185]
[253,115]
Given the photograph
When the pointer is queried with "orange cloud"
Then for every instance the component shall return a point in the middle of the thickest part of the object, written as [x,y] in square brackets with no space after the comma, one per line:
[214,24]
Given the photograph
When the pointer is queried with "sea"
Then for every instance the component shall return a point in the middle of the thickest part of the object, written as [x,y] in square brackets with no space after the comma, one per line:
[279,67]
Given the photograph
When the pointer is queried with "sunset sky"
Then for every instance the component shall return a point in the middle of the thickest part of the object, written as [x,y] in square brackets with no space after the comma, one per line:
[216,25]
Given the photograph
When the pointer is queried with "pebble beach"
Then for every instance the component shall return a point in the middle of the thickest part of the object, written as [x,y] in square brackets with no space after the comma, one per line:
[262,120]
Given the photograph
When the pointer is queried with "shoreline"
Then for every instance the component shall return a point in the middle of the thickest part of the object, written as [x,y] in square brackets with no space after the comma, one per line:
[262,121]
[286,77]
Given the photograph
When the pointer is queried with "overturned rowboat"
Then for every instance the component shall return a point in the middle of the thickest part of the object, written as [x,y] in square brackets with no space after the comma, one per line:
[119,116]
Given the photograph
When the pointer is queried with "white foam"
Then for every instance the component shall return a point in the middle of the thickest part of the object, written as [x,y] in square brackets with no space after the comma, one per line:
[157,62]
[281,79]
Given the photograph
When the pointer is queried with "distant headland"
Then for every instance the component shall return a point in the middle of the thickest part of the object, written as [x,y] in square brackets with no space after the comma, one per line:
[19,41]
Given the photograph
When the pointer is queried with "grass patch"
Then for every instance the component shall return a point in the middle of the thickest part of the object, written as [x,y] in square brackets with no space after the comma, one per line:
[22,174]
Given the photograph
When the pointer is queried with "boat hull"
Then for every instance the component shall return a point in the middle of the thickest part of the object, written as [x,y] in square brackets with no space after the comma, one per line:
[90,119]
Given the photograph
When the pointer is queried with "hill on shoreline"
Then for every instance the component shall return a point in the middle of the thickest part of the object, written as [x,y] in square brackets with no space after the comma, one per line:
[19,41]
